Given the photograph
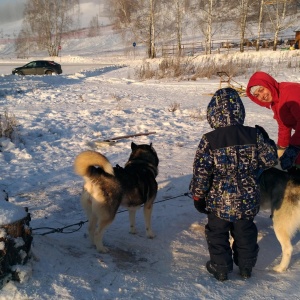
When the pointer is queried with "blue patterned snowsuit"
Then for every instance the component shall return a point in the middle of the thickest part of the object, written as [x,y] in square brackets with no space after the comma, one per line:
[226,168]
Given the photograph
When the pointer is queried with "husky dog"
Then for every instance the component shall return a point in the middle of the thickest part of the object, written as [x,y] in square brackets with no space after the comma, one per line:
[280,191]
[107,187]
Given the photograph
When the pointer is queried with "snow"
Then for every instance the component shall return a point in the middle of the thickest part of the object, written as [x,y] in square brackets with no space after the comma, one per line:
[60,116]
[10,213]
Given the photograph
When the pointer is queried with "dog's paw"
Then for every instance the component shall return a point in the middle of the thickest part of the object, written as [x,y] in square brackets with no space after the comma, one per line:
[150,235]
[133,230]
[279,268]
[102,249]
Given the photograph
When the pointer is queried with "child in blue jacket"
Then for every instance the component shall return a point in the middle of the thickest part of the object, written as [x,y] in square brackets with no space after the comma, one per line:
[225,184]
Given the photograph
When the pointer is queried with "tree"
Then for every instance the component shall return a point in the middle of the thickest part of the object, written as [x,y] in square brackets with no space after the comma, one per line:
[94,27]
[243,13]
[139,18]
[47,20]
[151,40]
[208,32]
[23,41]
[259,24]
[277,11]
[179,10]
[178,22]
[209,15]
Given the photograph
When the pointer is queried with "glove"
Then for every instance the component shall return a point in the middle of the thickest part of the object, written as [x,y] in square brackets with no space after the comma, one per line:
[280,151]
[289,156]
[200,204]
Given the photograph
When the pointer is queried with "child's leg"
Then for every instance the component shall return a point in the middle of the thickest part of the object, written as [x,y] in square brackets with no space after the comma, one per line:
[217,237]
[245,247]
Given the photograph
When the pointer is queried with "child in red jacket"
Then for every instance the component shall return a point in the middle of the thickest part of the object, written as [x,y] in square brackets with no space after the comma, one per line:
[284,99]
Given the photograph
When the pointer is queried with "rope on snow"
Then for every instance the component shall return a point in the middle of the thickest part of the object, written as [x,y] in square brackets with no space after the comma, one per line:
[81,223]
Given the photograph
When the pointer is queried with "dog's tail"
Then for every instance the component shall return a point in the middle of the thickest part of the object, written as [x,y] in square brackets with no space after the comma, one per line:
[88,161]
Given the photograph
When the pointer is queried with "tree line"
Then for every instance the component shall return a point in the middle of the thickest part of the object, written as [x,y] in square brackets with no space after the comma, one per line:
[156,22]
[151,22]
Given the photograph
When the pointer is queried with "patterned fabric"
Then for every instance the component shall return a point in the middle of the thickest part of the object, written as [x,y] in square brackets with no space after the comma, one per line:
[222,113]
[229,160]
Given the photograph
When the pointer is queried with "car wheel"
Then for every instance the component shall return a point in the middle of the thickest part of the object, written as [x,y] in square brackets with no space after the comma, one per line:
[48,72]
[20,73]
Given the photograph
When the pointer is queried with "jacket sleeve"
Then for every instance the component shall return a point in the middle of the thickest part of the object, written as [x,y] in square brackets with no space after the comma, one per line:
[294,108]
[202,169]
[284,133]
[267,150]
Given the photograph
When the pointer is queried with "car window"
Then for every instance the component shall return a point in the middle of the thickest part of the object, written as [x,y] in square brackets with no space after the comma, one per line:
[31,65]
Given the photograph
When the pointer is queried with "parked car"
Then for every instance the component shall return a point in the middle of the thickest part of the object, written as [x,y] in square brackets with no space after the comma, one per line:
[39,67]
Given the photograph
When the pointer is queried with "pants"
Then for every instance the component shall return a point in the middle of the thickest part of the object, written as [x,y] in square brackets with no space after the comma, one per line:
[244,249]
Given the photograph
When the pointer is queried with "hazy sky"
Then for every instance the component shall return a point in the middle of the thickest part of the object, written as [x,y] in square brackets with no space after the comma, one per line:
[11,10]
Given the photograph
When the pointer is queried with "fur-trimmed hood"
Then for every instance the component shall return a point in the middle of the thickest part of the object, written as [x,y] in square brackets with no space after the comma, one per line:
[225,109]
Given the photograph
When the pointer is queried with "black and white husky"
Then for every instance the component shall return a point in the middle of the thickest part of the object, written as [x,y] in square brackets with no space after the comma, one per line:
[107,187]
[280,191]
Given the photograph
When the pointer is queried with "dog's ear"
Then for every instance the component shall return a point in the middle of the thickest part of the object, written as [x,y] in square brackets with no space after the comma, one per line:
[153,150]
[133,146]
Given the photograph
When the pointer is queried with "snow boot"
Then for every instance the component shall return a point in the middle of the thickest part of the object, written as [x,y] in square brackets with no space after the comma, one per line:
[219,275]
[245,272]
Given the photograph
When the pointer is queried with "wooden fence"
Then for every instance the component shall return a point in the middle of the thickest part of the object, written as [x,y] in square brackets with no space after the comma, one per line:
[190,49]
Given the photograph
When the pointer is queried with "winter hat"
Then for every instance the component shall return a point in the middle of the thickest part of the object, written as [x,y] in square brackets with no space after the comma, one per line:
[254,88]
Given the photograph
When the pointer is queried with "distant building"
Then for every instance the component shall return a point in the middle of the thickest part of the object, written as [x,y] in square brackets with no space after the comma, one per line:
[297,38]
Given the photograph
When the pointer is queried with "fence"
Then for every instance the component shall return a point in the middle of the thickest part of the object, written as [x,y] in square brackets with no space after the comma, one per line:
[190,49]
[185,50]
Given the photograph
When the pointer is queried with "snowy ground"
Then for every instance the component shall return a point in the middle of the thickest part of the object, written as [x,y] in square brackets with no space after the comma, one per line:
[60,116]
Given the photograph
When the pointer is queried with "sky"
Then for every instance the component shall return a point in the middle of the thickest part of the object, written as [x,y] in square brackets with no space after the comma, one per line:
[11,11]
[60,116]
[11,15]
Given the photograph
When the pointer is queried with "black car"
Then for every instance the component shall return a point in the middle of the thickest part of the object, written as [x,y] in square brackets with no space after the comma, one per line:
[39,67]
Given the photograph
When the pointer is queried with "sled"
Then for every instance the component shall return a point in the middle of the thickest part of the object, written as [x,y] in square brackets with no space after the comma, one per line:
[225,78]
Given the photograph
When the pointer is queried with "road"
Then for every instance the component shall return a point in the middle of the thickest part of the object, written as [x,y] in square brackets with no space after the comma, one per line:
[68,68]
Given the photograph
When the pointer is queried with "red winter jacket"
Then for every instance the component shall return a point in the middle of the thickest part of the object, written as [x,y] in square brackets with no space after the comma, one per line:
[285,105]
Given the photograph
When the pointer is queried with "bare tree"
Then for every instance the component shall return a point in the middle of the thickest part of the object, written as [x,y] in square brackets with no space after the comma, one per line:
[151,40]
[23,42]
[208,32]
[172,20]
[209,18]
[259,24]
[243,6]
[180,9]
[48,20]
[277,11]
[94,27]
[139,18]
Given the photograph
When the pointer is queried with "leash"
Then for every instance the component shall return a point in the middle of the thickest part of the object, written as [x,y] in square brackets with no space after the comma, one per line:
[67,230]
[60,230]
